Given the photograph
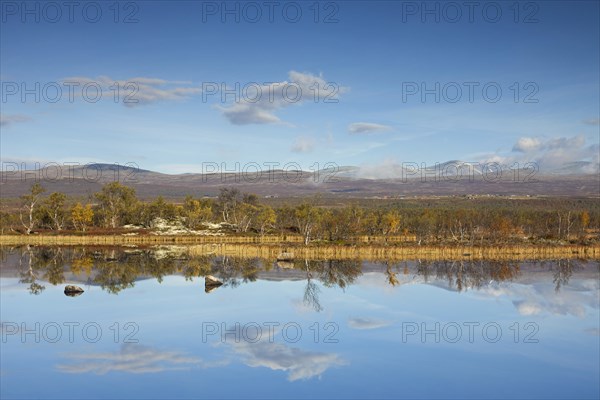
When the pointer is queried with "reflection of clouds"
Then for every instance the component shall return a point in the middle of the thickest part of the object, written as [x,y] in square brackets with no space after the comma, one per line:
[134,359]
[532,294]
[526,308]
[11,285]
[300,364]
[367,323]
[538,298]
[9,119]
[301,307]
[378,280]
[592,331]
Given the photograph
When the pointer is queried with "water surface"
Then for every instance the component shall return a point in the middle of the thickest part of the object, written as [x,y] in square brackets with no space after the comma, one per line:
[145,327]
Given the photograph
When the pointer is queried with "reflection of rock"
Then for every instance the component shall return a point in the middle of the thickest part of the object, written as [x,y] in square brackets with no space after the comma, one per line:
[285,264]
[285,256]
[211,280]
[72,290]
[211,283]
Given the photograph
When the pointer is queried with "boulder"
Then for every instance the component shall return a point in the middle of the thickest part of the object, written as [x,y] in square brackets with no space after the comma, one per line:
[211,283]
[73,290]
[285,256]
[285,264]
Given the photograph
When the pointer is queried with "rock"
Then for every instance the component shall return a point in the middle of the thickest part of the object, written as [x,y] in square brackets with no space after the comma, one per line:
[72,290]
[285,264]
[209,279]
[211,283]
[285,256]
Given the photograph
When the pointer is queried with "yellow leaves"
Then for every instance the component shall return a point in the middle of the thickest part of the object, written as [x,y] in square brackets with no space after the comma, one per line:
[390,222]
[81,216]
[391,276]
[82,264]
[585,219]
[266,217]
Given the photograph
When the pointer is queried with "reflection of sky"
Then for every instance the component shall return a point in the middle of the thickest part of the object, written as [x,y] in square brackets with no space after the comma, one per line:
[370,359]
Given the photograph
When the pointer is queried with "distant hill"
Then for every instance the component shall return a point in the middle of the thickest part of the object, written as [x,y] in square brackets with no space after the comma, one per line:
[449,178]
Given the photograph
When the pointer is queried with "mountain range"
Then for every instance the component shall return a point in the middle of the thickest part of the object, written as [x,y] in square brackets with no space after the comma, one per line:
[410,179]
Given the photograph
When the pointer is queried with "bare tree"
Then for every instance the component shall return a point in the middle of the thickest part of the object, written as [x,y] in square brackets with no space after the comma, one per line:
[29,206]
[54,206]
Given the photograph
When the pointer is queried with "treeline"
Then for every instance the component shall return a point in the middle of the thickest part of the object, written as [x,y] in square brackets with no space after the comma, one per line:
[116,206]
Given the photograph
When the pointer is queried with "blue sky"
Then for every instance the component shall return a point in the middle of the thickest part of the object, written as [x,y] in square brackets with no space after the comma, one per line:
[368,59]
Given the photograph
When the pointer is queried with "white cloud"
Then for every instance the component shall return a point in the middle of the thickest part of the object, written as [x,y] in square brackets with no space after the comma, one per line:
[303,145]
[567,155]
[259,103]
[367,323]
[367,127]
[9,119]
[386,169]
[526,144]
[136,91]
[570,154]
[593,121]
[134,359]
[247,113]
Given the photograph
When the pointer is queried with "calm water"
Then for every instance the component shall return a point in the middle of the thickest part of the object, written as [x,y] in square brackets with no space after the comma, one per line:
[146,327]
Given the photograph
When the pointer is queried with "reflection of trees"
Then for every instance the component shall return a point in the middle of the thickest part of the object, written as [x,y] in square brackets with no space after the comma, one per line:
[6,251]
[197,266]
[340,273]
[47,260]
[236,270]
[250,269]
[504,271]
[29,275]
[468,274]
[392,279]
[311,291]
[331,273]
[118,269]
[53,260]
[424,269]
[81,262]
[114,277]
[563,270]
[114,270]
[158,268]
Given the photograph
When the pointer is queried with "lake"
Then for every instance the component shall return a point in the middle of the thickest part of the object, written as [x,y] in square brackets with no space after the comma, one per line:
[148,327]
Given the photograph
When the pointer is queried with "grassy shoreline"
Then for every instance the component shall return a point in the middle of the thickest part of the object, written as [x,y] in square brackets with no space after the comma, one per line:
[368,248]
